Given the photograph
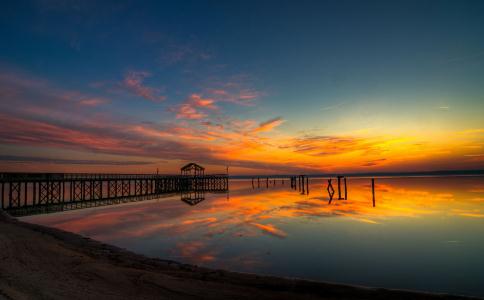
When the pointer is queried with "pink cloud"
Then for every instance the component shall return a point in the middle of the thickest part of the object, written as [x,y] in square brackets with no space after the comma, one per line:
[20,131]
[269,125]
[133,82]
[45,118]
[236,90]
[187,111]
[191,109]
[235,95]
[92,101]
[197,100]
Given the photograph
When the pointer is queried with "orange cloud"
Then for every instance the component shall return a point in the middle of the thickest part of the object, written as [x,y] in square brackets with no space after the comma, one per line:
[191,108]
[269,125]
[199,130]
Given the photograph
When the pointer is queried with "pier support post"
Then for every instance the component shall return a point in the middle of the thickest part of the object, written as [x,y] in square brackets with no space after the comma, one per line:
[307,185]
[302,185]
[373,190]
[346,191]
[339,187]
[330,190]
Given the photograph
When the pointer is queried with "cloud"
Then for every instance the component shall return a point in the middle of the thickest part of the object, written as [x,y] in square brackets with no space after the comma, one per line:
[197,100]
[192,107]
[33,93]
[374,162]
[472,131]
[44,118]
[235,95]
[187,111]
[199,131]
[331,145]
[92,101]
[269,125]
[36,159]
[237,89]
[133,82]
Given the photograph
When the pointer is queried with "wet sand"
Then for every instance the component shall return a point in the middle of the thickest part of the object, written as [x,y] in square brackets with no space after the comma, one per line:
[38,262]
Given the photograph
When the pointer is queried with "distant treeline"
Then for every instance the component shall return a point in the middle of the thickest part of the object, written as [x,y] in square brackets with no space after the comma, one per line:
[375,174]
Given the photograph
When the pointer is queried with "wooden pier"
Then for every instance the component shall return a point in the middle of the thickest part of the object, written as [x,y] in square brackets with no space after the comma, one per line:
[24,192]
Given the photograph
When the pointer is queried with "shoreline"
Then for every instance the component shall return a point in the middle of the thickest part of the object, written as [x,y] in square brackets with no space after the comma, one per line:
[48,263]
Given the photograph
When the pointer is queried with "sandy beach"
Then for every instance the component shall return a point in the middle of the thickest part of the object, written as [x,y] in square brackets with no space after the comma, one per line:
[38,262]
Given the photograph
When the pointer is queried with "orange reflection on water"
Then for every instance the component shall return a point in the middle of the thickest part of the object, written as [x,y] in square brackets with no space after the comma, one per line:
[420,228]
[273,211]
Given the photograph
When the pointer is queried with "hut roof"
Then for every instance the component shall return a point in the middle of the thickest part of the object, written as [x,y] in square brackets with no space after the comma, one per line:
[192,166]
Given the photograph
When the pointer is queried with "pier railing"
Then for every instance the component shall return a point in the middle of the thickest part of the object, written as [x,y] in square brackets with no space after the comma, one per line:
[33,190]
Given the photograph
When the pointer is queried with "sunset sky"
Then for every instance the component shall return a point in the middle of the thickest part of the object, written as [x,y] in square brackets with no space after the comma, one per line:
[263,87]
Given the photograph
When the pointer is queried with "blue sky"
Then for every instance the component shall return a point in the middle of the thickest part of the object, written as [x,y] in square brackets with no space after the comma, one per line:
[333,70]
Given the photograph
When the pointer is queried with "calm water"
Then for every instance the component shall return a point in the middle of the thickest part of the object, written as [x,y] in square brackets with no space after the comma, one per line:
[423,234]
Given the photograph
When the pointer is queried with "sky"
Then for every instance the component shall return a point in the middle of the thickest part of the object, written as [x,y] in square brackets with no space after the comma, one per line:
[263,87]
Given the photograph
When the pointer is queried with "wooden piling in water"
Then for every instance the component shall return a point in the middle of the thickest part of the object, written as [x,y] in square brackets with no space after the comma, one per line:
[346,191]
[307,185]
[373,190]
[339,187]
[330,190]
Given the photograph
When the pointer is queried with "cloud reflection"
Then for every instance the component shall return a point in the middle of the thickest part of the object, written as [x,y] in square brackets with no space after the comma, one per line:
[201,233]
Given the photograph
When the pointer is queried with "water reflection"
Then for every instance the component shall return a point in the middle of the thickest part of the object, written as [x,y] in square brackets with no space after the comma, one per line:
[192,197]
[421,228]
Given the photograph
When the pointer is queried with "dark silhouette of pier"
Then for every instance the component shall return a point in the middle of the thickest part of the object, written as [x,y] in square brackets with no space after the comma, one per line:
[33,193]
[256,182]
[30,193]
[342,179]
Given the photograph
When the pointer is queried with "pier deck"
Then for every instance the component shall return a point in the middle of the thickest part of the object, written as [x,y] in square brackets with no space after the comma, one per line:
[21,192]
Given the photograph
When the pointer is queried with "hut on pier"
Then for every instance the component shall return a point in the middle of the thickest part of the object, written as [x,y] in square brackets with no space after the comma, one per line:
[193,169]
